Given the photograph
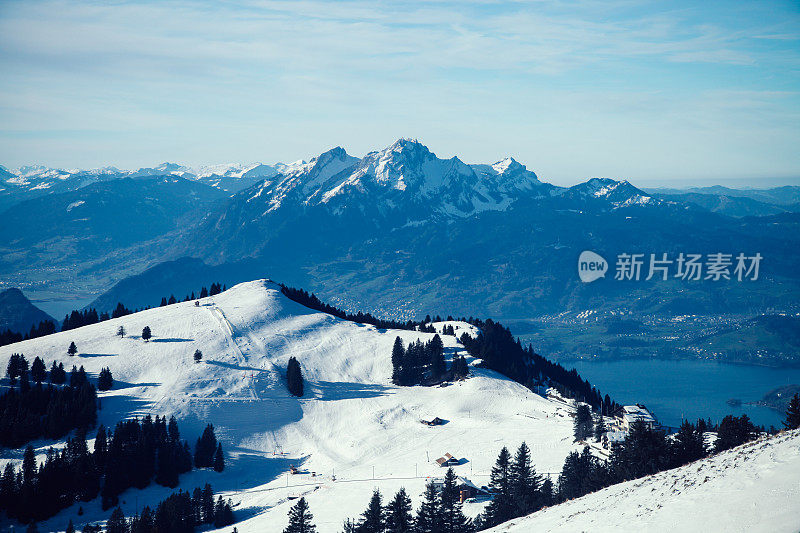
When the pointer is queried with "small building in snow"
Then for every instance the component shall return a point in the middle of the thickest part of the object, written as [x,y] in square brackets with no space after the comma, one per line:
[628,414]
[464,487]
[447,460]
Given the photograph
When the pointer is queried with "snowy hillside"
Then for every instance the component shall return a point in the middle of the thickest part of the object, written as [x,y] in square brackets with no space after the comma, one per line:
[352,422]
[751,488]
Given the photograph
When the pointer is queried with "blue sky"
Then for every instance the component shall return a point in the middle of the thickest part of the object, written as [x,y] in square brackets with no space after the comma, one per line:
[694,92]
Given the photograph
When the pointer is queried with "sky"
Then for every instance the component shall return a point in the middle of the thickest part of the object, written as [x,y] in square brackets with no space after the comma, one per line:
[659,93]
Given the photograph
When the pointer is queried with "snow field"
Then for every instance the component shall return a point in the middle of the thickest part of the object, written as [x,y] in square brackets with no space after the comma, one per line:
[352,423]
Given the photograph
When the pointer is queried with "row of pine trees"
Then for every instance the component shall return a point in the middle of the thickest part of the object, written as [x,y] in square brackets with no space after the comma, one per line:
[134,454]
[29,412]
[424,363]
[181,512]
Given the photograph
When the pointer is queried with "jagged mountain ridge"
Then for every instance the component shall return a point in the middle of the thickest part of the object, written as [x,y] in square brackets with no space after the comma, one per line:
[402,185]
[405,172]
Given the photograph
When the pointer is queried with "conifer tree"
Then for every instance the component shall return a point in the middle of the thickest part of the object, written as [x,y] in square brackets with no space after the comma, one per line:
[166,467]
[116,522]
[294,377]
[501,508]
[436,354]
[28,467]
[57,374]
[207,507]
[428,517]
[105,380]
[793,413]
[524,482]
[198,356]
[687,445]
[599,428]
[372,518]
[398,353]
[734,431]
[460,367]
[546,492]
[72,350]
[12,370]
[205,448]
[223,513]
[146,333]
[24,383]
[300,518]
[77,377]
[38,370]
[219,459]
[583,422]
[121,331]
[644,451]
[100,447]
[120,310]
[398,513]
[453,519]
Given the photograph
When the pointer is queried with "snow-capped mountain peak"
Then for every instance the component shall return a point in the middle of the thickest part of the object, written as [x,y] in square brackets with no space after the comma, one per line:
[618,193]
[509,164]
[403,173]
[163,169]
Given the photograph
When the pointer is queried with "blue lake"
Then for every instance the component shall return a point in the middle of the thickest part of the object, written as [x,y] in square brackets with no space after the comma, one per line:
[688,389]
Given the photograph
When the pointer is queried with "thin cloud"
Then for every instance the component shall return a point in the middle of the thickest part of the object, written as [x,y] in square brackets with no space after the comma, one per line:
[300,76]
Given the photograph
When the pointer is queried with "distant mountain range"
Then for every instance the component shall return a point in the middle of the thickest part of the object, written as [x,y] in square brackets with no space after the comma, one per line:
[29,182]
[737,202]
[64,232]
[400,231]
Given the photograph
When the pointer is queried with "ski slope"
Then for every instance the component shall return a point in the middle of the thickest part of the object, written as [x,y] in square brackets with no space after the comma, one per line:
[353,430]
[752,488]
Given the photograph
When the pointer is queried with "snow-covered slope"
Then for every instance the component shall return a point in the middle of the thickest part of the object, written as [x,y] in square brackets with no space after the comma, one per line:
[752,488]
[352,422]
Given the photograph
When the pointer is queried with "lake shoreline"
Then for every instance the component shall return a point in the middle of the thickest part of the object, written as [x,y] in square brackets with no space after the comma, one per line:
[681,389]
